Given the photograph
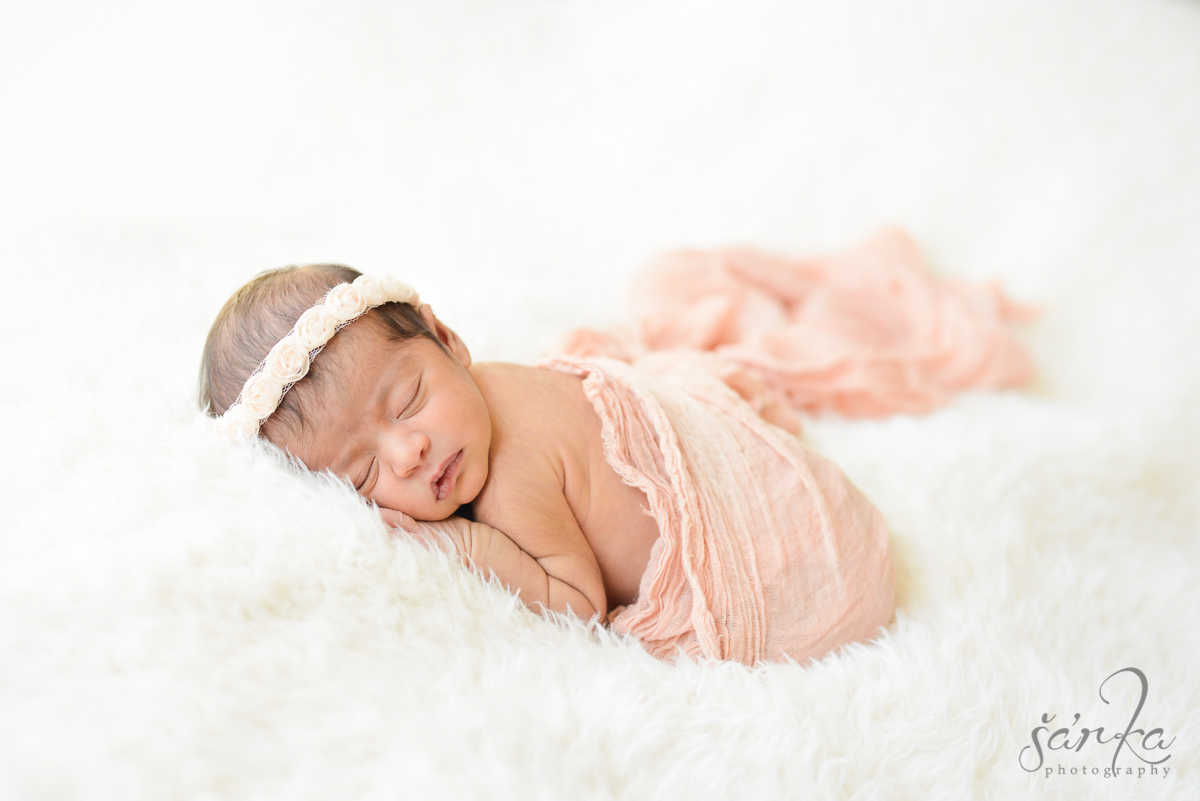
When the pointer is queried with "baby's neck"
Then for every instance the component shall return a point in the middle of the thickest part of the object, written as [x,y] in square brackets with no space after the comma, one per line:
[500,385]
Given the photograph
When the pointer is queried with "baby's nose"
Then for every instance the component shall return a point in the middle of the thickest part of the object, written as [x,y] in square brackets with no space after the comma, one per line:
[406,452]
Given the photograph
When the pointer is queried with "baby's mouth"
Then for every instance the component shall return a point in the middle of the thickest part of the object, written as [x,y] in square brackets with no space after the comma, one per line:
[444,480]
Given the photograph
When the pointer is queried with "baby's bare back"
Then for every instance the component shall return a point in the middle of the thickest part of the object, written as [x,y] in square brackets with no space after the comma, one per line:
[550,488]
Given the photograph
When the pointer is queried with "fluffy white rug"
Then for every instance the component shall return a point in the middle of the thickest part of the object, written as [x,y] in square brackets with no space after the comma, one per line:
[183,619]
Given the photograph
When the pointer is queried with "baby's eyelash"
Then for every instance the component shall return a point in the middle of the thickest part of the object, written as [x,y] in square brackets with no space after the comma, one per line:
[416,395]
[366,477]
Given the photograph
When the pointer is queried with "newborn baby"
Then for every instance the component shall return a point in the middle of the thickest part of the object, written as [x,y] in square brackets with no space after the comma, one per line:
[395,405]
[652,494]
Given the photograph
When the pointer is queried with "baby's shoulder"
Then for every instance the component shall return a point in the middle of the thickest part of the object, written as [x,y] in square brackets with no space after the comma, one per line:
[541,433]
[533,408]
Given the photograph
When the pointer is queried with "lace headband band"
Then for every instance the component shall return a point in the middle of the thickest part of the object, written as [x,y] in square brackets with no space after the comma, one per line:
[289,360]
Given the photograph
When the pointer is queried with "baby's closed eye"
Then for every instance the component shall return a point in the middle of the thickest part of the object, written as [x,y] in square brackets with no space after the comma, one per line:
[362,483]
[413,400]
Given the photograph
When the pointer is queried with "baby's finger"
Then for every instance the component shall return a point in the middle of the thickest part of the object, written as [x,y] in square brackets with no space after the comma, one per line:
[395,519]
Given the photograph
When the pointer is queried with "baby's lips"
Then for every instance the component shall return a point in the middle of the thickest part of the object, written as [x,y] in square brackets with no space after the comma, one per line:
[440,472]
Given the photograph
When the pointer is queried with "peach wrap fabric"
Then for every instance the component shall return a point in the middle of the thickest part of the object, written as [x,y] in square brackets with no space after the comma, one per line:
[867,332]
[766,550]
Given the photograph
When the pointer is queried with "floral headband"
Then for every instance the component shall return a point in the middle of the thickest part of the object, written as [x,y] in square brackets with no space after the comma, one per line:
[289,360]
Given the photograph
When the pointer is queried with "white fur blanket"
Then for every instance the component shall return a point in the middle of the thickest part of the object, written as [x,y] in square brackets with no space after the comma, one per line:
[183,619]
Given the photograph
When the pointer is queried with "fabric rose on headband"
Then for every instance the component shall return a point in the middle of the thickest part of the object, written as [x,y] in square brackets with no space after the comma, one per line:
[289,360]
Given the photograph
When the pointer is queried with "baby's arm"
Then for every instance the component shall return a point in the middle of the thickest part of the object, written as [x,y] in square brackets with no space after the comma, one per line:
[553,582]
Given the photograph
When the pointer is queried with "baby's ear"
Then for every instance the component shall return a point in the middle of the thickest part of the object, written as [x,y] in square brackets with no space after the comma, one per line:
[446,335]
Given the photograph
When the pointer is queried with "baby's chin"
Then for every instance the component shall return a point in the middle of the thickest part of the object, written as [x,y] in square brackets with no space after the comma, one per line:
[442,511]
[397,518]
[440,514]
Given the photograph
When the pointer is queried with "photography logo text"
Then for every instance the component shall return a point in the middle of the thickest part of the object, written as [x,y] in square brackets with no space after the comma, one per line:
[1059,750]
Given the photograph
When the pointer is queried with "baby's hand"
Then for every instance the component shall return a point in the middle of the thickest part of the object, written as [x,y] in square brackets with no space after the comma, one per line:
[489,551]
[394,519]
[425,532]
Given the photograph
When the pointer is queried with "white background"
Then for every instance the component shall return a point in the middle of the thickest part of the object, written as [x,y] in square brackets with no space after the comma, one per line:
[178,619]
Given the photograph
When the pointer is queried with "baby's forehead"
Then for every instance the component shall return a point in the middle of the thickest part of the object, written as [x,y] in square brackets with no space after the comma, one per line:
[367,340]
[359,364]
[363,353]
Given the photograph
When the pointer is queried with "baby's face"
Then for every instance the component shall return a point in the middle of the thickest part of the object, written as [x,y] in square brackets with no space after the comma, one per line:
[403,422]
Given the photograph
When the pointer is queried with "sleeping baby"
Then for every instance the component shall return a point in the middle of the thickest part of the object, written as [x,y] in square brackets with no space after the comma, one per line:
[664,490]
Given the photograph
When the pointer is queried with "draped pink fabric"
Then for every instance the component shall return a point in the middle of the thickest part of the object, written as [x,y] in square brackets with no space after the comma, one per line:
[867,332]
[766,550]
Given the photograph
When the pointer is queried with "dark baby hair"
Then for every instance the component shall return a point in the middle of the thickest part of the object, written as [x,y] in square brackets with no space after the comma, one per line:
[263,312]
